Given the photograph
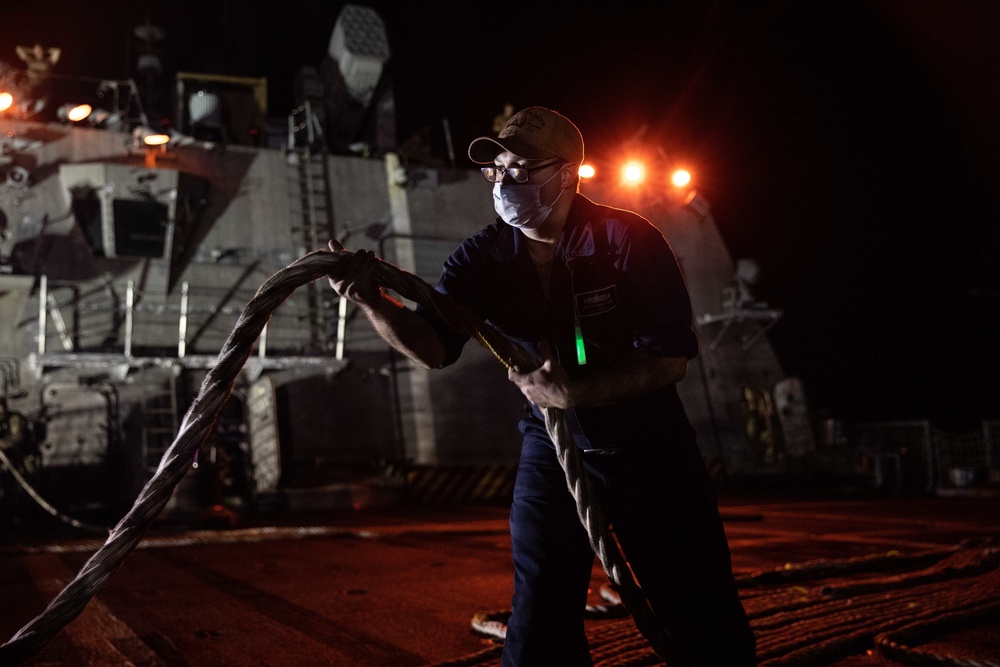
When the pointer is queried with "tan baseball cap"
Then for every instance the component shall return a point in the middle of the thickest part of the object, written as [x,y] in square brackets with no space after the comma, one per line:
[534,133]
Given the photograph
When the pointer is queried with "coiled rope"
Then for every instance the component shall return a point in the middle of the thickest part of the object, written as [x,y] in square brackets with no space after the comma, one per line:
[822,611]
[891,644]
[215,391]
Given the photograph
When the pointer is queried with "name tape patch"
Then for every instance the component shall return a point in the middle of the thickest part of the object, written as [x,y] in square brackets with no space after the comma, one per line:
[596,301]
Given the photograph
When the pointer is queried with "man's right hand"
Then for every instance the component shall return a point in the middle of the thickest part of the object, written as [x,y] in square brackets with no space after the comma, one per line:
[354,277]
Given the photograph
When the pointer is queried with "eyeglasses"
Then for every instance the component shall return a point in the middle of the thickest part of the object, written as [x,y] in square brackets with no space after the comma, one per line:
[494,174]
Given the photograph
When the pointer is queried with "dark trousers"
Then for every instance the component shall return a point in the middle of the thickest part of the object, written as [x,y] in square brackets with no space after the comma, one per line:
[665,515]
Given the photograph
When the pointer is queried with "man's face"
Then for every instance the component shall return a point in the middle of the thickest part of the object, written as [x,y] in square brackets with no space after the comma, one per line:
[540,172]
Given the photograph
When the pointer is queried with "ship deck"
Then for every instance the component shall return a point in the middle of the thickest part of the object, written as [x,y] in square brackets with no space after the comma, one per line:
[399,585]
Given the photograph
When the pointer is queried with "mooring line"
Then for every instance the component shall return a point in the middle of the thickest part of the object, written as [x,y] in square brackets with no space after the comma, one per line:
[215,390]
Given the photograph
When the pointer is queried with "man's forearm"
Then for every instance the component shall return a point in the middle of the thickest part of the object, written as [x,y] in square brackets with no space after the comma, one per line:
[635,374]
[405,331]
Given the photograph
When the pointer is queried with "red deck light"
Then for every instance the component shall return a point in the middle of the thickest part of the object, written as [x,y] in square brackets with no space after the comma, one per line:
[633,173]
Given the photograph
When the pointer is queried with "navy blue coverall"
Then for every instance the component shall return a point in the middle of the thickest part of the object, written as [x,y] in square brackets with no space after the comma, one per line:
[615,279]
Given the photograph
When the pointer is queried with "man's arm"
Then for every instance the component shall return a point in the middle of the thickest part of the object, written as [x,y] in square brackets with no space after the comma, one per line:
[635,374]
[354,279]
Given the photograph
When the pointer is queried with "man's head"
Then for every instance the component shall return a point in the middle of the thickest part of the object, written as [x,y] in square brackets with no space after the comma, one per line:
[535,133]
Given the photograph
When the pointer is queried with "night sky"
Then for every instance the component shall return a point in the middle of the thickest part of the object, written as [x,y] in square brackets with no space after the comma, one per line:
[851,147]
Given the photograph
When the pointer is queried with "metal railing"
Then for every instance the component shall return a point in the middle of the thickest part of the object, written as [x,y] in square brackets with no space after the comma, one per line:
[123,319]
[916,457]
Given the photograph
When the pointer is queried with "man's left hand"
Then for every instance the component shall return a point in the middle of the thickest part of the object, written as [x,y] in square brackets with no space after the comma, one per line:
[547,386]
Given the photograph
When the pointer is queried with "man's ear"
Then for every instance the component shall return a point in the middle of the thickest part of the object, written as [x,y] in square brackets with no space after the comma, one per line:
[570,176]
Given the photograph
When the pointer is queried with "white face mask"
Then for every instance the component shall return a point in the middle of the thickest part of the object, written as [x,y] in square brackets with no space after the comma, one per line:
[520,204]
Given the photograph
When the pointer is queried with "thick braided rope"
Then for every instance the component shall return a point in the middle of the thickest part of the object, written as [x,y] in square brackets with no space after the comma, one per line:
[891,644]
[215,391]
[603,542]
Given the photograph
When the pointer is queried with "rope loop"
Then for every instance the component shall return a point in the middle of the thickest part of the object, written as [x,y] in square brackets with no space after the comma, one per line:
[215,390]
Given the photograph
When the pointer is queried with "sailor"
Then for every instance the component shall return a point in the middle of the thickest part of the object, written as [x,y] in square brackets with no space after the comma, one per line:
[597,294]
